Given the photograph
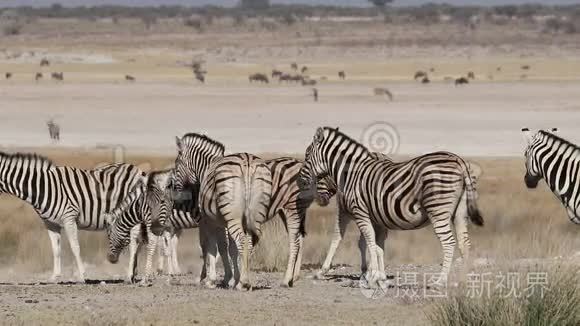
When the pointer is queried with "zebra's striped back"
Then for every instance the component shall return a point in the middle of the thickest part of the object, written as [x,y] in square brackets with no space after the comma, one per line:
[56,191]
[557,161]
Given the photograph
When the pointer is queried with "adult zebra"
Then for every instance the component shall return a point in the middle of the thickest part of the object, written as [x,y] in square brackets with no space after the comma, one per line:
[434,188]
[234,193]
[65,196]
[136,209]
[326,189]
[557,161]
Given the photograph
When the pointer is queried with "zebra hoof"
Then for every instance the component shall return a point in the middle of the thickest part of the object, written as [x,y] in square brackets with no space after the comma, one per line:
[287,284]
[210,284]
[145,283]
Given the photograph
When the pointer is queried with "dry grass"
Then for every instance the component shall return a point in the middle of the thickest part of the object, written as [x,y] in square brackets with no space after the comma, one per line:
[555,303]
[519,223]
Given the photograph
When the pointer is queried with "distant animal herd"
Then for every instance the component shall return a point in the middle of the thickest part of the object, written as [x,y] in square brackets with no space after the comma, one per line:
[297,75]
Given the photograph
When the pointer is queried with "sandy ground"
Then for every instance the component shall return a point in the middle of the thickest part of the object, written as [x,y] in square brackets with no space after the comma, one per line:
[480,119]
[338,301]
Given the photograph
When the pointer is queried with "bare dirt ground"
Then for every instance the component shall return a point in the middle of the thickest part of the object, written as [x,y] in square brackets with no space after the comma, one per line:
[104,119]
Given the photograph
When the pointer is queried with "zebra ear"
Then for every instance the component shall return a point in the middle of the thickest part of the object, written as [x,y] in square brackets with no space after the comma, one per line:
[527,135]
[178,143]
[554,130]
[319,135]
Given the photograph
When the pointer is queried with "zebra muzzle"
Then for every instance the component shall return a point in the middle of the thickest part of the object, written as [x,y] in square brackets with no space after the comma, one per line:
[531,181]
[113,258]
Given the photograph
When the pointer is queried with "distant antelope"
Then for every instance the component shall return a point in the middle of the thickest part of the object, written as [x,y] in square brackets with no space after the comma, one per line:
[425,80]
[38,76]
[200,76]
[341,75]
[461,81]
[420,74]
[276,73]
[53,130]
[470,75]
[8,75]
[304,69]
[525,67]
[59,76]
[129,78]
[44,62]
[308,82]
[294,66]
[380,91]
[315,94]
[258,77]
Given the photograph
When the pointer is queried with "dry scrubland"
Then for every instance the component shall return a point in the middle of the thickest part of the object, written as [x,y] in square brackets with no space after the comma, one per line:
[524,230]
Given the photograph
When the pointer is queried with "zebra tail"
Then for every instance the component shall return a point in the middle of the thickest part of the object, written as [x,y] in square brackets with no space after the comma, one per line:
[471,192]
[258,188]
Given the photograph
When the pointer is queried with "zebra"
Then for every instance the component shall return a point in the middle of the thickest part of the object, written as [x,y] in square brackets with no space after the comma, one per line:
[326,189]
[234,193]
[136,209]
[290,203]
[555,160]
[381,195]
[66,196]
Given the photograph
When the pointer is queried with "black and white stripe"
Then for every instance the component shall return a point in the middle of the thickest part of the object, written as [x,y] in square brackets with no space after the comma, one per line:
[65,196]
[136,211]
[380,195]
[557,161]
[235,192]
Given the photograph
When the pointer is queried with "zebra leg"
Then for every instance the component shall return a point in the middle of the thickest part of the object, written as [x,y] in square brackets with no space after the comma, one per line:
[223,247]
[161,250]
[461,231]
[70,227]
[203,249]
[299,257]
[133,253]
[151,247]
[54,235]
[235,258]
[295,245]
[381,236]
[246,245]
[443,231]
[342,221]
[368,231]
[210,259]
[174,242]
[362,247]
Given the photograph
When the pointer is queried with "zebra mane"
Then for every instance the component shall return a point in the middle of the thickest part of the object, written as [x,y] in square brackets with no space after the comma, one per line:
[26,157]
[343,135]
[558,138]
[199,139]
[152,178]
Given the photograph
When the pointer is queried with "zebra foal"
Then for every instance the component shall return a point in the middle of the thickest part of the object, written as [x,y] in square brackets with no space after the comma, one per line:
[380,195]
[136,209]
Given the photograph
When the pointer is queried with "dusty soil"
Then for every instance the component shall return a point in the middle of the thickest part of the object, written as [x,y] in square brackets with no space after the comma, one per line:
[337,301]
